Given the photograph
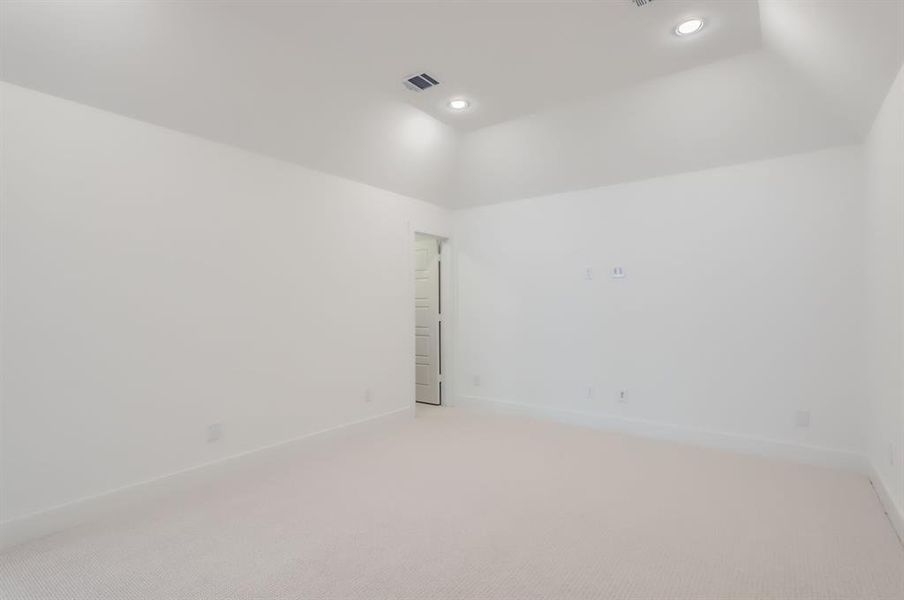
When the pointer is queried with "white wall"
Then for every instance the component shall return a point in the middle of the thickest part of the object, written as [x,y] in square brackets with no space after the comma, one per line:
[885,289]
[154,283]
[741,303]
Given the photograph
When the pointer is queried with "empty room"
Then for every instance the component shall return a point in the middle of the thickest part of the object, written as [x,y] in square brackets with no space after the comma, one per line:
[460,299]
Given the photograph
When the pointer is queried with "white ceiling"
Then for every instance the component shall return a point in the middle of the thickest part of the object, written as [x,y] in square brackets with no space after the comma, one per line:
[566,94]
[518,58]
[741,109]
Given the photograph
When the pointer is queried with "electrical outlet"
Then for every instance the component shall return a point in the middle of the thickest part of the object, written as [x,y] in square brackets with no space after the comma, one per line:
[802,418]
[477,381]
[368,395]
[589,392]
[622,396]
[618,273]
[214,432]
[588,272]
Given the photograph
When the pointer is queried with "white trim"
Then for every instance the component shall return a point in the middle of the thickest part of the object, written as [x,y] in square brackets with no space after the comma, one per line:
[743,444]
[447,291]
[132,496]
[895,513]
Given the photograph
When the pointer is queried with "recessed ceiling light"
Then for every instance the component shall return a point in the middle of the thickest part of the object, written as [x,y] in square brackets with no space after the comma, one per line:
[689,26]
[459,104]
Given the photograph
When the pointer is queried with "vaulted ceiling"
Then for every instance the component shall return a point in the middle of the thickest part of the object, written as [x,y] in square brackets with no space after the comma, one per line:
[564,95]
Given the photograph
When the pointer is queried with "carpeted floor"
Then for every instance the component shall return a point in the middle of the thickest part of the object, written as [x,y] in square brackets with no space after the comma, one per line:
[462,505]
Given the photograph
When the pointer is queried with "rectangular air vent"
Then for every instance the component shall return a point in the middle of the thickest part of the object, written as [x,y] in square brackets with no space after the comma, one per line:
[640,3]
[421,82]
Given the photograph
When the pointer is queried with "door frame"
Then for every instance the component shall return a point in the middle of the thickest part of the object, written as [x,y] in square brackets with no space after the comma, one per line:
[447,304]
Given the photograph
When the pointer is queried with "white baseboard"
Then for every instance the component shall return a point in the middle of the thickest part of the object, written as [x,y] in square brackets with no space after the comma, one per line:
[813,455]
[895,513]
[133,496]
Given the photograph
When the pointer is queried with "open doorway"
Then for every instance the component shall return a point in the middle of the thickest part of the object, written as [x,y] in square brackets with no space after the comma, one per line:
[428,323]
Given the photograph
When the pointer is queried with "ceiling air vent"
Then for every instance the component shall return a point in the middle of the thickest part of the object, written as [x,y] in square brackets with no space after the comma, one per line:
[639,3]
[421,82]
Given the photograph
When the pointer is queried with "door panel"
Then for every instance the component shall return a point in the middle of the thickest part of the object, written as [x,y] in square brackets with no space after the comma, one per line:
[427,371]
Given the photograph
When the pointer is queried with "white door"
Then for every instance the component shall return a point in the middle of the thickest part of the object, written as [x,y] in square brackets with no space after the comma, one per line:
[427,330]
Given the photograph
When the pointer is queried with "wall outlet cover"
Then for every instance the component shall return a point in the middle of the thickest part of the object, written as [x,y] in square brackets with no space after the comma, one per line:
[214,432]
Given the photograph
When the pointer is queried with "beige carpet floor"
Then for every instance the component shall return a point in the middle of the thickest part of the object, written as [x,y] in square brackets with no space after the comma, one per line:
[455,504]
